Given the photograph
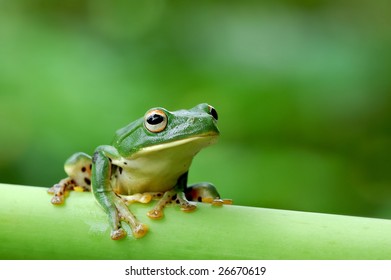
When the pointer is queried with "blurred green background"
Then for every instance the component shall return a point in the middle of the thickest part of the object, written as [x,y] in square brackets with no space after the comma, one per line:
[302,89]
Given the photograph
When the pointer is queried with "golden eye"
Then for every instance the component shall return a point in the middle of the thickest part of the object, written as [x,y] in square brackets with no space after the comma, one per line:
[155,120]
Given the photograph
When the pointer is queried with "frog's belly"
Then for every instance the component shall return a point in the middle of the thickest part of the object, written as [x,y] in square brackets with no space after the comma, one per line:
[145,175]
[157,168]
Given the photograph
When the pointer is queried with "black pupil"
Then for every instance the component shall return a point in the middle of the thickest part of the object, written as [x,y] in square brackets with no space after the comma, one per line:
[213,112]
[155,119]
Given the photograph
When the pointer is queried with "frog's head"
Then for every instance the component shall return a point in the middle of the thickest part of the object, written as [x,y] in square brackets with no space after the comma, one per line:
[161,128]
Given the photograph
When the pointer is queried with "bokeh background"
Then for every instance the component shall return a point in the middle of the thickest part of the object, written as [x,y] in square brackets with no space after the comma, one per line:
[302,88]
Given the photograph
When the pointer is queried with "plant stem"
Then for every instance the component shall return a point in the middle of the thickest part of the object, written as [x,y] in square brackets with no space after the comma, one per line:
[32,228]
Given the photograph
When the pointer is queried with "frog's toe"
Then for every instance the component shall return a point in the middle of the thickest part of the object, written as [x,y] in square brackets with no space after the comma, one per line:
[56,200]
[55,189]
[183,203]
[217,201]
[118,234]
[51,190]
[140,230]
[188,207]
[227,201]
[155,214]
[141,198]
[146,198]
[59,191]
[58,194]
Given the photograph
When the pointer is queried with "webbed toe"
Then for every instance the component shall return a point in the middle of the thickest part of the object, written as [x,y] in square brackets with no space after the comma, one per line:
[155,214]
[140,230]
[118,234]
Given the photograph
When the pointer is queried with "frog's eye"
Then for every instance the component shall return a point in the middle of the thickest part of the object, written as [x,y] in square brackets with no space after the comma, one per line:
[155,120]
[213,112]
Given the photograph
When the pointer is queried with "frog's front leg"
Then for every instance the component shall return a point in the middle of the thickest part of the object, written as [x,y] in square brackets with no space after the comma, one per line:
[177,195]
[112,203]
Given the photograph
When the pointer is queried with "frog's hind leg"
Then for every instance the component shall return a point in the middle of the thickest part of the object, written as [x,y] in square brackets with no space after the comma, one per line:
[205,192]
[78,169]
[59,190]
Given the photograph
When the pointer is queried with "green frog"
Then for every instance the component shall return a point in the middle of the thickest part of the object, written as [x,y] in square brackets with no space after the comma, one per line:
[148,159]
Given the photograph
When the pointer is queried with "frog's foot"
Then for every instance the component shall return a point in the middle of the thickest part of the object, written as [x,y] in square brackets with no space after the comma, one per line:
[117,234]
[207,193]
[216,201]
[139,231]
[170,197]
[59,190]
[118,211]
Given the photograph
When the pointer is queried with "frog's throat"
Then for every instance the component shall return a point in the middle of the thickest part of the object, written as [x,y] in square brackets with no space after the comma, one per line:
[197,142]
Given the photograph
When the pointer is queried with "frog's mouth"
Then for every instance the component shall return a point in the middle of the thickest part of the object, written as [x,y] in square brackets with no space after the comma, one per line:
[191,144]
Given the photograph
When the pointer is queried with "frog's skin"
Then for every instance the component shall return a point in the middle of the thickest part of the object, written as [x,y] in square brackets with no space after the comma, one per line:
[148,159]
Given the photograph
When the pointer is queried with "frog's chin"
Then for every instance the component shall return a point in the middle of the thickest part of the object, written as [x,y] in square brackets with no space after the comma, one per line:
[191,144]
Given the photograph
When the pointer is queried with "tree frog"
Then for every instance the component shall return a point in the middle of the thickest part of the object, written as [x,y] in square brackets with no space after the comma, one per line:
[148,159]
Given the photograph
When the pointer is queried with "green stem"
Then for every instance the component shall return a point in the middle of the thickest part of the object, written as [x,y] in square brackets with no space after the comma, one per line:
[32,228]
